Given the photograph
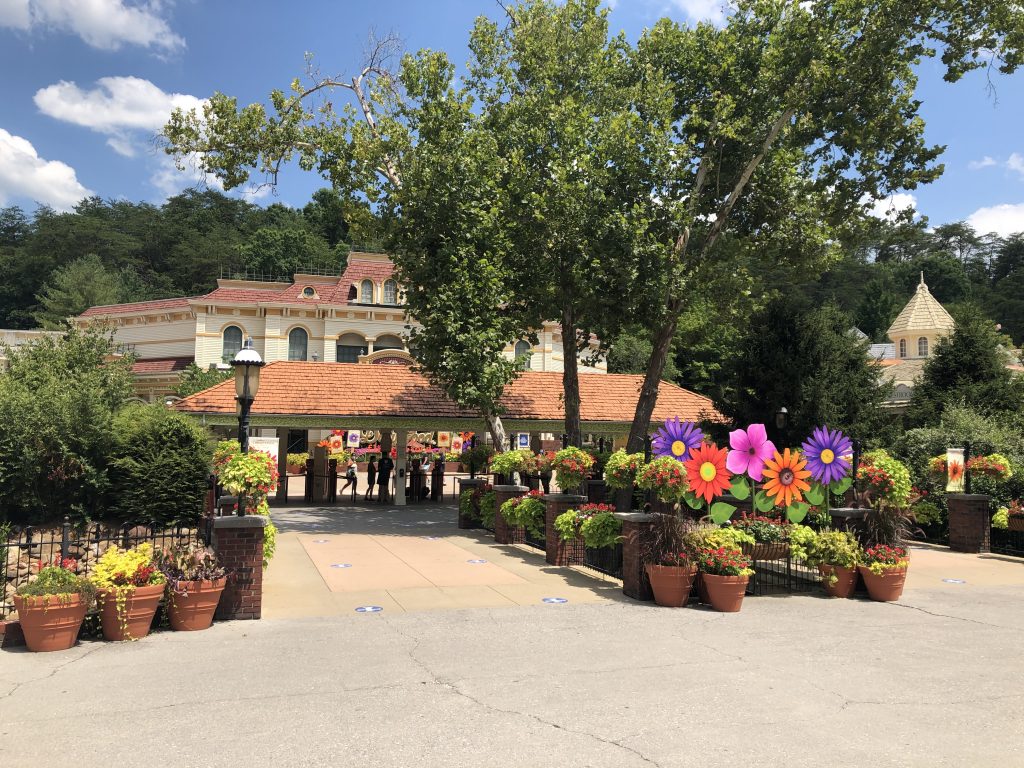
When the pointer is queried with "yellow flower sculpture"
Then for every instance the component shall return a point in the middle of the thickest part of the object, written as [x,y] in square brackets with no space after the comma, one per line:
[786,477]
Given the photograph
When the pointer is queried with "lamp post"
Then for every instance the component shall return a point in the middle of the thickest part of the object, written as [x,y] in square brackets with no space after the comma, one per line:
[781,423]
[247,364]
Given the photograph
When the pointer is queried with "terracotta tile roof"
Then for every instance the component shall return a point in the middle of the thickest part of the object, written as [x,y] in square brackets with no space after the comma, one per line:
[351,389]
[250,296]
[161,365]
[138,306]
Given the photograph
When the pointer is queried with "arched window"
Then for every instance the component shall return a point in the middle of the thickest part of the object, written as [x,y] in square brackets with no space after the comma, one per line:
[366,292]
[387,341]
[903,347]
[298,342]
[390,292]
[232,343]
[350,347]
[523,355]
[922,347]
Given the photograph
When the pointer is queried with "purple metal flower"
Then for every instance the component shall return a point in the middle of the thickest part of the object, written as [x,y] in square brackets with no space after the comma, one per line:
[676,439]
[828,455]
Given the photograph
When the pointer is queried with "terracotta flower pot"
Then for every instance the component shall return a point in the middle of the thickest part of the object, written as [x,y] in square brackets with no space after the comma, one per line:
[884,588]
[844,583]
[725,593]
[1015,523]
[772,550]
[192,607]
[50,623]
[139,609]
[671,584]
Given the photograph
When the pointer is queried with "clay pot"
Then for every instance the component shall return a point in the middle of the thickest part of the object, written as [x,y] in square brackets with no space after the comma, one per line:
[139,609]
[773,550]
[884,588]
[50,623]
[725,593]
[192,607]
[1015,523]
[671,584]
[845,580]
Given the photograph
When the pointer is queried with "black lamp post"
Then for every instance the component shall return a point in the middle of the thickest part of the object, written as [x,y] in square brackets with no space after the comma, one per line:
[781,423]
[247,364]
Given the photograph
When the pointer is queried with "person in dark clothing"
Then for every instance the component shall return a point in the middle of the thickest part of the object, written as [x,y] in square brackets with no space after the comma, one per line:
[371,478]
[384,478]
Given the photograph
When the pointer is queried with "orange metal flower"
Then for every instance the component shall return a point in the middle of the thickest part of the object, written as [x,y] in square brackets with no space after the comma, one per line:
[956,471]
[786,477]
[706,471]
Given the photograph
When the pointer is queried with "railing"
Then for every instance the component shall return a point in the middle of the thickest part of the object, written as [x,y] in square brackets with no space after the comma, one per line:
[782,576]
[1008,542]
[23,550]
[606,560]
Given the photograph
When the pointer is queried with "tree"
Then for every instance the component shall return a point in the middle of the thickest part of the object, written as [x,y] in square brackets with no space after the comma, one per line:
[74,288]
[968,368]
[278,252]
[327,216]
[629,352]
[194,379]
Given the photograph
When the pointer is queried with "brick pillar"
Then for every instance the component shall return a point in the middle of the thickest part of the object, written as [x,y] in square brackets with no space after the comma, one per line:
[970,522]
[636,534]
[558,552]
[239,545]
[502,493]
[466,484]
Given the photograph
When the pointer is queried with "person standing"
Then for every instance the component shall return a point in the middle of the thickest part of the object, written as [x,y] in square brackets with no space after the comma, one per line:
[350,478]
[371,478]
[384,478]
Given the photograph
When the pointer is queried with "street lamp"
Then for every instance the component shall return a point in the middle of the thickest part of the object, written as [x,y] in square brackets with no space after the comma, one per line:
[781,422]
[247,364]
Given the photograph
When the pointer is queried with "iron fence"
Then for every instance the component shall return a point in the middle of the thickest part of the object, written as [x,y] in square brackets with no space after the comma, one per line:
[781,577]
[606,560]
[25,549]
[1007,542]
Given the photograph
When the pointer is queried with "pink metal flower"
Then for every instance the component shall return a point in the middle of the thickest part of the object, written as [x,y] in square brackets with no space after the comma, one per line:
[750,449]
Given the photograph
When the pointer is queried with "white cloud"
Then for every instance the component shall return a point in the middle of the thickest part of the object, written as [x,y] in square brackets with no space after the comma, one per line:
[1016,163]
[702,10]
[985,162]
[104,24]
[1005,219]
[169,180]
[23,173]
[117,107]
[890,207]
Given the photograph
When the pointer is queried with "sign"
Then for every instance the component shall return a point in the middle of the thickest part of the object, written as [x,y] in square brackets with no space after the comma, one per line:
[524,439]
[444,439]
[352,441]
[456,444]
[264,444]
[954,470]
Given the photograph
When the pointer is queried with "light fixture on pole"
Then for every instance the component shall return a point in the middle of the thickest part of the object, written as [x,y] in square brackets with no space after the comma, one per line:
[247,364]
[782,422]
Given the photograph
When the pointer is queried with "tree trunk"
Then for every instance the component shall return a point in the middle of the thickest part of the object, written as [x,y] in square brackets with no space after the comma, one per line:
[662,342]
[571,380]
[497,430]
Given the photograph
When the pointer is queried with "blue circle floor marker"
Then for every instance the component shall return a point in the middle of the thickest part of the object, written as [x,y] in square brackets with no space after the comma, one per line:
[955,581]
[430,538]
[320,541]
[476,562]
[341,565]
[369,609]
[554,600]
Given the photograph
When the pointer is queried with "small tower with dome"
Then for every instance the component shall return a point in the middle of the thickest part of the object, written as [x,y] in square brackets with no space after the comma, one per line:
[918,328]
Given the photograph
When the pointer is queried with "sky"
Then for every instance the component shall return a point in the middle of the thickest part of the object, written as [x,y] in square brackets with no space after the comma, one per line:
[88,83]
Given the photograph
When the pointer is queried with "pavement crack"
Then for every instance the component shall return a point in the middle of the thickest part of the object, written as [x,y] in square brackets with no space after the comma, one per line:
[52,672]
[948,616]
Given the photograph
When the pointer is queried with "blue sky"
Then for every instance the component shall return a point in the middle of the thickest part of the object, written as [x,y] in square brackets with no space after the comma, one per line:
[93,81]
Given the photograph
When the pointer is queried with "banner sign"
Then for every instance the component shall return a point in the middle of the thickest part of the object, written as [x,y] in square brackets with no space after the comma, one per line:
[353,438]
[444,439]
[524,439]
[954,470]
[456,443]
[265,444]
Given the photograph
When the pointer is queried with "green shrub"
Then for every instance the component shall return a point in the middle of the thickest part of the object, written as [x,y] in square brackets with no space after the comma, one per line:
[160,464]
[488,506]
[525,512]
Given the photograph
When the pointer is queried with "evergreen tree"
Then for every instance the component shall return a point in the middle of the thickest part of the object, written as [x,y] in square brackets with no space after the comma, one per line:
[83,283]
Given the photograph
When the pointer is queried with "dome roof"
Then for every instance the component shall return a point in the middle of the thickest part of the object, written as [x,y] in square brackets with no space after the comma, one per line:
[922,313]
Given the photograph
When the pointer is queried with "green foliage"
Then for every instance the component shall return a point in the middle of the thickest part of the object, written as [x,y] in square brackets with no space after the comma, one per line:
[507,463]
[1001,519]
[898,488]
[297,459]
[571,466]
[54,581]
[666,477]
[601,529]
[836,548]
[278,252]
[621,469]
[195,379]
[57,404]
[568,525]
[801,542]
[487,507]
[467,508]
[159,466]
[475,459]
[83,283]
[525,512]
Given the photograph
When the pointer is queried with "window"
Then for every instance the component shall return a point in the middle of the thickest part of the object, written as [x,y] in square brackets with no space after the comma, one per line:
[390,292]
[922,347]
[350,347]
[308,292]
[298,341]
[366,292]
[297,442]
[523,355]
[387,342]
[232,343]
[903,347]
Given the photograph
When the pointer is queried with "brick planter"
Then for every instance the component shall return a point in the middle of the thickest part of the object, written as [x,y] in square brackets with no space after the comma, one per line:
[239,545]
[502,493]
[556,551]
[465,484]
[970,523]
[636,534]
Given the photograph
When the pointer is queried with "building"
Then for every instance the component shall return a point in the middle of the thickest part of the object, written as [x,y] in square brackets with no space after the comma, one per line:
[355,318]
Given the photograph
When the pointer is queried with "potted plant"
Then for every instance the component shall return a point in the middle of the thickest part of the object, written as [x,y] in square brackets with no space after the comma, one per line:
[508,464]
[594,524]
[1015,516]
[714,537]
[665,477]
[572,466]
[621,469]
[53,605]
[128,590]
[836,555]
[725,572]
[296,463]
[525,512]
[672,578]
[195,582]
[884,570]
[770,537]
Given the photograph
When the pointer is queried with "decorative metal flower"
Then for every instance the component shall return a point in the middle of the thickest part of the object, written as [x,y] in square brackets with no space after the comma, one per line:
[677,439]
[706,471]
[828,455]
[751,448]
[787,478]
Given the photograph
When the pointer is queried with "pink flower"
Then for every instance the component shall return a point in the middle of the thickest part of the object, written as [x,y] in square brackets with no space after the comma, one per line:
[750,449]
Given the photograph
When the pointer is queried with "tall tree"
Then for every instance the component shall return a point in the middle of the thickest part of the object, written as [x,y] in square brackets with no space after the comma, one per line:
[74,288]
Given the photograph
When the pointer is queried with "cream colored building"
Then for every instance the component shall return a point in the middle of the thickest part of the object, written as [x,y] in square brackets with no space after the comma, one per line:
[357,317]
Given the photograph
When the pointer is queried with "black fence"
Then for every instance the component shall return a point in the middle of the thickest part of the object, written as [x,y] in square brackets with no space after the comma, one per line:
[782,577]
[25,550]
[606,560]
[1008,542]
